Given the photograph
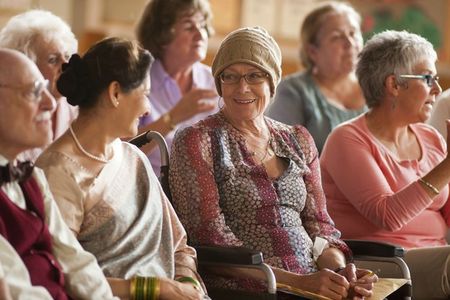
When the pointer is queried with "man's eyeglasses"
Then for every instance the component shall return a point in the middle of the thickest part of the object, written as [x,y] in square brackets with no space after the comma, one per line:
[429,79]
[250,78]
[36,88]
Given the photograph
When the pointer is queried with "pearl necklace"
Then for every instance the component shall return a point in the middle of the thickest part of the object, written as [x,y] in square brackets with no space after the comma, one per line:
[91,156]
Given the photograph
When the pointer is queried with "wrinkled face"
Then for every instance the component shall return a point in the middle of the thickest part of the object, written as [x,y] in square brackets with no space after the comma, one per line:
[416,98]
[242,100]
[26,107]
[338,44]
[50,55]
[132,106]
[190,40]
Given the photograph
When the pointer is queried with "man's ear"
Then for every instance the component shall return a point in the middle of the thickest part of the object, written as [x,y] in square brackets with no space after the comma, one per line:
[114,91]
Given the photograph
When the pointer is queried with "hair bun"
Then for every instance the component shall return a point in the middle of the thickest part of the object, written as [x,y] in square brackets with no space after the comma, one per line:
[74,80]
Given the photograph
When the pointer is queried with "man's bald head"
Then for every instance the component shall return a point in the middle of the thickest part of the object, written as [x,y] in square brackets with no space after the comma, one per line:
[26,105]
[14,63]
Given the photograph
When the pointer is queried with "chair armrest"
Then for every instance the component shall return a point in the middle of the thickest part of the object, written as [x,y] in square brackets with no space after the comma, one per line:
[228,255]
[371,248]
[239,257]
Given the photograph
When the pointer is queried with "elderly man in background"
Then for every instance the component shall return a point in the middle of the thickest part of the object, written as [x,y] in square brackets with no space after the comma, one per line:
[56,265]
[48,41]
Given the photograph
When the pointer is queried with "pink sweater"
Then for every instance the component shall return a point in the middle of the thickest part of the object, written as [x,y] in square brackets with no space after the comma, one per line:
[372,195]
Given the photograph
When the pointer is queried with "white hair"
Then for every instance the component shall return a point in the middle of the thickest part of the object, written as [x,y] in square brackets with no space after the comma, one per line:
[22,31]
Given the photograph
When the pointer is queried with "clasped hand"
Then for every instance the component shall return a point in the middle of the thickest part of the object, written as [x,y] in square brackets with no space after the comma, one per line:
[350,282]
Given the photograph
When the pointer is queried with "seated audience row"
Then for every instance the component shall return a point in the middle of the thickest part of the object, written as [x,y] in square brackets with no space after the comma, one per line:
[76,166]
[238,178]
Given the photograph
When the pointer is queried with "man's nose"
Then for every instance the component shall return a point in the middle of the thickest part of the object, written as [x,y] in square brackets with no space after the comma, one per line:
[48,102]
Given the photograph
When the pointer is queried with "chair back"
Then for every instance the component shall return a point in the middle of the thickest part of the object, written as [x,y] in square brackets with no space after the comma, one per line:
[147,137]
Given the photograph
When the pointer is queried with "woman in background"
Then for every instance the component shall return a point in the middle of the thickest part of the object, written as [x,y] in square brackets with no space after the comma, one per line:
[106,189]
[182,89]
[327,93]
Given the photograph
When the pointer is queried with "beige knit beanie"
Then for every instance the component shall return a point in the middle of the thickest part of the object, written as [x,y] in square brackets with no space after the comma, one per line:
[251,45]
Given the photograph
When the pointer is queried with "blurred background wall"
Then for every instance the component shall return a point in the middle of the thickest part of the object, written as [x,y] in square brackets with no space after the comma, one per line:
[92,20]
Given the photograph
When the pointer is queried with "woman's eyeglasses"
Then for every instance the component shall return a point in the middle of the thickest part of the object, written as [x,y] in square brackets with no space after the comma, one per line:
[36,88]
[428,78]
[250,78]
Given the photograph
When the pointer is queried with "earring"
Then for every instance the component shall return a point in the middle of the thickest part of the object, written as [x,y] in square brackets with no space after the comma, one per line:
[218,104]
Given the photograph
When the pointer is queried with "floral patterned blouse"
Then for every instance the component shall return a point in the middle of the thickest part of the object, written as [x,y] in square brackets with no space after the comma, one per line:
[225,197]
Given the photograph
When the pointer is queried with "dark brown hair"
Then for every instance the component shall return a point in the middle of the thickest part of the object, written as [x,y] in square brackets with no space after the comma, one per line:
[112,59]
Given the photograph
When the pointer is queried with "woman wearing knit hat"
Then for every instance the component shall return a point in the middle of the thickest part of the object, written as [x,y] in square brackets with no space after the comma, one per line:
[241,179]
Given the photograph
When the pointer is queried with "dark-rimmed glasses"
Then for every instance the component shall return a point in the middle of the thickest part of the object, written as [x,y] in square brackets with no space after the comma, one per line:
[428,78]
[250,78]
[36,88]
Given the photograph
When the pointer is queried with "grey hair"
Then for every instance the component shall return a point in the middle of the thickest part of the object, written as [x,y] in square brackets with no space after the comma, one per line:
[22,31]
[389,53]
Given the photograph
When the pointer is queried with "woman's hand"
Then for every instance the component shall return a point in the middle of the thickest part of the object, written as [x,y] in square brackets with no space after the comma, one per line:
[326,283]
[361,281]
[4,290]
[174,290]
[192,103]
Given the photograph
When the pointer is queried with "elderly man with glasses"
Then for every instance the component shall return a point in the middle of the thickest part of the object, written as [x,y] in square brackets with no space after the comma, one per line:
[39,256]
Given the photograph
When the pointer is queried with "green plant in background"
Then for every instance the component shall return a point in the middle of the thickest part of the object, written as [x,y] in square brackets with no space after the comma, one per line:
[413,19]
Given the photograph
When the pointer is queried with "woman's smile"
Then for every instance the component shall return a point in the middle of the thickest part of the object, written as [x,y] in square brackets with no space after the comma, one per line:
[244,101]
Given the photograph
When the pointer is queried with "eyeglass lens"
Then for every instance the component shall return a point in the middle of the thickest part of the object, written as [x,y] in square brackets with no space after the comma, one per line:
[250,78]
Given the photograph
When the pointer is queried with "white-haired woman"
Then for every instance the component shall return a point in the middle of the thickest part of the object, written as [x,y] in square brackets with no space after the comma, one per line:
[48,41]
[397,190]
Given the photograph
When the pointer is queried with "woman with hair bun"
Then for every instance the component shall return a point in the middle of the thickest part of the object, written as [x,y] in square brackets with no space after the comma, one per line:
[106,189]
